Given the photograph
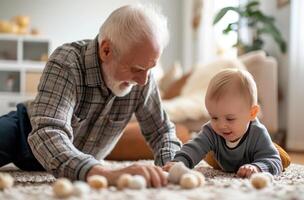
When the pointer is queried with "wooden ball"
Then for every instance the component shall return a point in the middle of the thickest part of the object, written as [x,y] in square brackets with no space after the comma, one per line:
[63,188]
[176,172]
[200,177]
[35,31]
[6,181]
[189,181]
[137,182]
[124,181]
[22,20]
[8,27]
[270,176]
[97,182]
[80,188]
[260,180]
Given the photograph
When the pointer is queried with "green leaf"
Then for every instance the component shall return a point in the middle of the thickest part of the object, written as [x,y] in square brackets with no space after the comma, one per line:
[255,19]
[251,4]
[251,7]
[259,16]
[231,27]
[271,30]
[223,12]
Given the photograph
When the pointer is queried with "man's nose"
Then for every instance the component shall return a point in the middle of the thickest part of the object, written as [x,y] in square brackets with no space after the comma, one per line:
[142,79]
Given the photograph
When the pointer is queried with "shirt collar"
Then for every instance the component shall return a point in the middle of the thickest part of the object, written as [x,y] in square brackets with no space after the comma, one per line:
[93,76]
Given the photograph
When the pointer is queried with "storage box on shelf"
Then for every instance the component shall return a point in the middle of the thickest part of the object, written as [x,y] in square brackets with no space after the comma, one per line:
[22,59]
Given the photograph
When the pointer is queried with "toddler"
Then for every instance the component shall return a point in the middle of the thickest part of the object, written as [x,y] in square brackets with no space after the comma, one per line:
[240,142]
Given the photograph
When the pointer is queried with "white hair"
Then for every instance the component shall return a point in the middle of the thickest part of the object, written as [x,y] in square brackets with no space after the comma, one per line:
[131,24]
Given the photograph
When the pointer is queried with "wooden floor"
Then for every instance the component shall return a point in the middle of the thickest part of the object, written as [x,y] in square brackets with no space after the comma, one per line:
[297,157]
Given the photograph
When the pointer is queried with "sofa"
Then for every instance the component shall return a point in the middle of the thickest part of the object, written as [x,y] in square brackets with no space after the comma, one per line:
[183,100]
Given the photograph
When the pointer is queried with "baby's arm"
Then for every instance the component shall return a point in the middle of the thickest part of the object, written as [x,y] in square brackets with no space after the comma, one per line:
[195,150]
[265,156]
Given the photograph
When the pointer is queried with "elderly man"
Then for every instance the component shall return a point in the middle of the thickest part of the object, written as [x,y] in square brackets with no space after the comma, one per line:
[87,94]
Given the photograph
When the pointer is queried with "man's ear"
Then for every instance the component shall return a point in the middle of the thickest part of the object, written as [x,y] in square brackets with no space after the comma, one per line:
[105,51]
[254,111]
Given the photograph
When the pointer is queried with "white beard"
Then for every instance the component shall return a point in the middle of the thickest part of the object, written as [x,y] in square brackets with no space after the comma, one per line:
[114,85]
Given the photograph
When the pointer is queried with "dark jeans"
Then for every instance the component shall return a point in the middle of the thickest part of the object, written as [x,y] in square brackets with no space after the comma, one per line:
[14,130]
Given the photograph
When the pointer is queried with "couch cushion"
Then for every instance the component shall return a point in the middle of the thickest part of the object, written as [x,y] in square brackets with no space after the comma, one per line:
[176,87]
[190,104]
[264,69]
[132,145]
[170,76]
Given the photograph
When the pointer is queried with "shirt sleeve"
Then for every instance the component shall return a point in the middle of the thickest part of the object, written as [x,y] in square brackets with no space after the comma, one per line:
[266,157]
[195,150]
[52,135]
[155,125]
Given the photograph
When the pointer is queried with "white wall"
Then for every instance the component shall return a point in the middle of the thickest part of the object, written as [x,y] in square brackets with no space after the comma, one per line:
[173,9]
[69,20]
[198,45]
[291,69]
[282,17]
[295,126]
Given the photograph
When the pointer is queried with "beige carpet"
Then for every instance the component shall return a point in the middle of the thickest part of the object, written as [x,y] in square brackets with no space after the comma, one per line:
[220,185]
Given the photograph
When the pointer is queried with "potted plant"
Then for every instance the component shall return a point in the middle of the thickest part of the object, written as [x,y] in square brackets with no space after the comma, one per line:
[252,18]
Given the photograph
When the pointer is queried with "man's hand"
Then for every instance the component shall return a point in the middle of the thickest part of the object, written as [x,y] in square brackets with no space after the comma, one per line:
[247,170]
[168,166]
[154,175]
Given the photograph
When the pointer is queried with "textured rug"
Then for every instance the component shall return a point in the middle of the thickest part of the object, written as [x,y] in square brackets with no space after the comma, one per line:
[219,185]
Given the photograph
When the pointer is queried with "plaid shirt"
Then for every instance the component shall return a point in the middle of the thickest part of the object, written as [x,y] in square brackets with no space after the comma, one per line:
[76,120]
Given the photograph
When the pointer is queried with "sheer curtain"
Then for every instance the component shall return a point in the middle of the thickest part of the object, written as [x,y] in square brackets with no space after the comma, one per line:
[295,131]
[202,41]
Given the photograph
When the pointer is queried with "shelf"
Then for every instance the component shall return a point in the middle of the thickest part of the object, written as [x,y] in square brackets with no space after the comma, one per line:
[10,81]
[35,50]
[16,37]
[34,65]
[18,66]
[22,60]
[10,100]
[31,82]
[10,95]
[10,66]
[8,50]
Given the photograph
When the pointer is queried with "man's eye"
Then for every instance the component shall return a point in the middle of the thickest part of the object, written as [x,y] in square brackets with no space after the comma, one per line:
[214,118]
[135,70]
[230,119]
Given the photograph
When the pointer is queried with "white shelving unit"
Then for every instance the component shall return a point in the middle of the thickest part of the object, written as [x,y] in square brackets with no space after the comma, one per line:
[22,59]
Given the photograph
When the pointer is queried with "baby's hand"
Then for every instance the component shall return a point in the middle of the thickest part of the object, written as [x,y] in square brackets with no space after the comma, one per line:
[247,170]
[168,166]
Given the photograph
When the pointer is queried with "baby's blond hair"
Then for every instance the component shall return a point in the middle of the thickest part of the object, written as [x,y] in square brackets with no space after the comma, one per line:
[235,80]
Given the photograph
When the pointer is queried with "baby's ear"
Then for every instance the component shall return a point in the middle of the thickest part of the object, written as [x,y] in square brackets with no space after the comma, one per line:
[254,111]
